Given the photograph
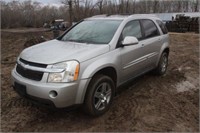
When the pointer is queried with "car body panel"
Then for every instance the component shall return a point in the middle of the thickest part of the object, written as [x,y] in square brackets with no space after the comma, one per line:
[55,51]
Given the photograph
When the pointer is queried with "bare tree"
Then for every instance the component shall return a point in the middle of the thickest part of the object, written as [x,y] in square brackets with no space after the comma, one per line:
[133,6]
[155,6]
[28,13]
[127,6]
[100,5]
[70,4]
[196,8]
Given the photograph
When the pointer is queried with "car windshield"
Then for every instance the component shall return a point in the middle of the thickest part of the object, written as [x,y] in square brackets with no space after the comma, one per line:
[92,31]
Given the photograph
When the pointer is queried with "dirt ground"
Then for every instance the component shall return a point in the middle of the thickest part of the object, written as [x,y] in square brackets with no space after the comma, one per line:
[151,103]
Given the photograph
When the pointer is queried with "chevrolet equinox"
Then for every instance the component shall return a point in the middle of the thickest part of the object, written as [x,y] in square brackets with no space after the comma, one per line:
[90,60]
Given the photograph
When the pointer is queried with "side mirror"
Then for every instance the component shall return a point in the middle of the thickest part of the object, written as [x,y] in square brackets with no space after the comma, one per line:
[130,40]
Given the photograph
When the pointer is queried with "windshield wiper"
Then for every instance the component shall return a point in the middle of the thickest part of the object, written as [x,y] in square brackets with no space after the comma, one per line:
[80,41]
[71,40]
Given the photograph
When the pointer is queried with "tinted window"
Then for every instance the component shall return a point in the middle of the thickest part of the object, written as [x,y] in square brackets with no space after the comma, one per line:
[132,29]
[93,31]
[150,29]
[162,26]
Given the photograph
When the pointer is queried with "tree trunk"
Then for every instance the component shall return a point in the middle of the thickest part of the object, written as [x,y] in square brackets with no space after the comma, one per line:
[127,6]
[155,8]
[70,12]
[196,6]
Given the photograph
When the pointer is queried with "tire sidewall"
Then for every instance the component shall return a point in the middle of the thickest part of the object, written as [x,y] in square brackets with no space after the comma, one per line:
[160,63]
[92,89]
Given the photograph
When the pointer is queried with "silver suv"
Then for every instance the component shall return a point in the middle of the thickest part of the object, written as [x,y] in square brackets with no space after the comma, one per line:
[89,61]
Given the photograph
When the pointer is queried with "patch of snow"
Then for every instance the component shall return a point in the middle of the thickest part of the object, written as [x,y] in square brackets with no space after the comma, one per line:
[184,86]
[187,85]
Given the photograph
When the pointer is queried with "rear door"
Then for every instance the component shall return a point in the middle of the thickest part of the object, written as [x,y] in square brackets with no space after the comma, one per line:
[163,29]
[151,42]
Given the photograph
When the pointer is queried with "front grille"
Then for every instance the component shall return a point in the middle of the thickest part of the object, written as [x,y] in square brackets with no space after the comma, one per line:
[30,74]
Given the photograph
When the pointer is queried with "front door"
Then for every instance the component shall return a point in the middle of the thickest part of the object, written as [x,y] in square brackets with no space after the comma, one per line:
[132,57]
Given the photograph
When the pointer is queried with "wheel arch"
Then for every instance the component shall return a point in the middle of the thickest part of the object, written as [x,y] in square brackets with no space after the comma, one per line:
[164,48]
[109,71]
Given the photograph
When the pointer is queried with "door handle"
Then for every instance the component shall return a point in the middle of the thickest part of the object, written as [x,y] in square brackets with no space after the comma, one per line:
[142,45]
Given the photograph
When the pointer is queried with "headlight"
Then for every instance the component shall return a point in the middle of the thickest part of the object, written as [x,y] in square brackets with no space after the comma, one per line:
[70,73]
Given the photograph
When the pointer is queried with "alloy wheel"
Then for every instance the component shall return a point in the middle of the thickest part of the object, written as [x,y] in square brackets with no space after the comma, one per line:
[102,96]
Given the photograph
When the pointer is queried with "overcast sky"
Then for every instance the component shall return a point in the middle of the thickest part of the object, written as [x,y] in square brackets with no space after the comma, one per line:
[49,1]
[44,2]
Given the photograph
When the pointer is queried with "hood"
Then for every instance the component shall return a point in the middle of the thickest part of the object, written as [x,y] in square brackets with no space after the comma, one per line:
[55,51]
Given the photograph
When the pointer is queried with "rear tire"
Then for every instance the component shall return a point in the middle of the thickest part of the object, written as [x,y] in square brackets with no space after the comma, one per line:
[99,95]
[162,65]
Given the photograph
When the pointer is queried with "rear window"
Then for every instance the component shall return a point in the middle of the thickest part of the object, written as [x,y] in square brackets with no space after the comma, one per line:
[150,29]
[162,26]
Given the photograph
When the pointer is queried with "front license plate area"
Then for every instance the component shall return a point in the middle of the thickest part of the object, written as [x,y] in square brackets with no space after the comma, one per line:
[20,89]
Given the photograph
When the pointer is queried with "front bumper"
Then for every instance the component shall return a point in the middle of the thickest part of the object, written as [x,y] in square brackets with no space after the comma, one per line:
[68,93]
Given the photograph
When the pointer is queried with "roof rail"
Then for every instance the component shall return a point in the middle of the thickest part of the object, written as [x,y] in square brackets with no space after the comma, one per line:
[125,14]
[149,15]
[101,15]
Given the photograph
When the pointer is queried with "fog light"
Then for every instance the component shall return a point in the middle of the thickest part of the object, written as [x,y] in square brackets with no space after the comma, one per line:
[53,94]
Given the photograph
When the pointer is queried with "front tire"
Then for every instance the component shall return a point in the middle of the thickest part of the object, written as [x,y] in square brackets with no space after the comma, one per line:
[99,95]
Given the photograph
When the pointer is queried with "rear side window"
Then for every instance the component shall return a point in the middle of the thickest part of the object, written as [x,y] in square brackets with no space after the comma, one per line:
[162,26]
[150,29]
[132,28]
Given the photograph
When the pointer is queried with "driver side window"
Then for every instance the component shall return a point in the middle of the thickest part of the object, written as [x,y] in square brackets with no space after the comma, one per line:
[132,28]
